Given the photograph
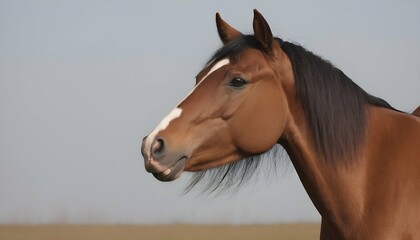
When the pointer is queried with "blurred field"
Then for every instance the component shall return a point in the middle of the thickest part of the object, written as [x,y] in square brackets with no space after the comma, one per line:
[307,231]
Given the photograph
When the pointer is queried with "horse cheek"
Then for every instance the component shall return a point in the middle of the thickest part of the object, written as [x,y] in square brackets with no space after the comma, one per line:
[258,129]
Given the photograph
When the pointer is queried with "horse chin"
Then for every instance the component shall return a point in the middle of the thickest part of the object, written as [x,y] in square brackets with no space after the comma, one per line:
[173,172]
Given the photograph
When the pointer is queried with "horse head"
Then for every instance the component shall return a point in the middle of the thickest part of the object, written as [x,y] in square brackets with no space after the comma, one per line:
[238,107]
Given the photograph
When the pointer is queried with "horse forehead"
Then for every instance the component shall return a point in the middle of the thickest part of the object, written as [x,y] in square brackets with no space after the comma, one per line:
[216,66]
[251,59]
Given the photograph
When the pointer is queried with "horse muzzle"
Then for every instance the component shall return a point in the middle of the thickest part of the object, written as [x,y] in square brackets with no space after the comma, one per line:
[164,164]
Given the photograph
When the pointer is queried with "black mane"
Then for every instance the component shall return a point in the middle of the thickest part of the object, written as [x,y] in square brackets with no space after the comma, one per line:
[334,106]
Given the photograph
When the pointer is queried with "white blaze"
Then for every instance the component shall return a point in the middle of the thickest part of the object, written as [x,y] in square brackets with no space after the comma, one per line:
[216,66]
[162,126]
[175,113]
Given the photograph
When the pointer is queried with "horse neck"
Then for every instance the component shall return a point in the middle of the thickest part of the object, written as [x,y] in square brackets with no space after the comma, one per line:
[347,194]
[336,191]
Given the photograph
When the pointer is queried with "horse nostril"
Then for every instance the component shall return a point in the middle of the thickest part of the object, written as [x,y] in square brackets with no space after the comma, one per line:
[158,148]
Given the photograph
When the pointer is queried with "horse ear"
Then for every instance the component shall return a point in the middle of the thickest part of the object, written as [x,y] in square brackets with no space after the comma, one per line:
[226,32]
[262,31]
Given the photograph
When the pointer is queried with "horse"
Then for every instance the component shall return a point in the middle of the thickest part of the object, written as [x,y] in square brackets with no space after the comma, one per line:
[357,157]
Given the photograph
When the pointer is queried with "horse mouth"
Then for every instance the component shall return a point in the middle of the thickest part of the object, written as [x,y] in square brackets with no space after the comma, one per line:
[172,172]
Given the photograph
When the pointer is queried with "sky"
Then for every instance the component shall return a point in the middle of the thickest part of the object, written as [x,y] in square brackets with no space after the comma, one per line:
[81,82]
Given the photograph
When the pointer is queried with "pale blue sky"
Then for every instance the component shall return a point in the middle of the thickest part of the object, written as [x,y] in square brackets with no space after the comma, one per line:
[81,82]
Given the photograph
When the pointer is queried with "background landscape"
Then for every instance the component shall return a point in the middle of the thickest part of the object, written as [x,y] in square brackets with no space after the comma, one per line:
[81,82]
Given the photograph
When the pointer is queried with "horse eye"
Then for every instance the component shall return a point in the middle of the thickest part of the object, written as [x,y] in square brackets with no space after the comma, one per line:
[237,83]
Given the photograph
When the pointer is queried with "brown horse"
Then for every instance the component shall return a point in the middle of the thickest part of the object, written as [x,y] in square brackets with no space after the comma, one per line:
[357,157]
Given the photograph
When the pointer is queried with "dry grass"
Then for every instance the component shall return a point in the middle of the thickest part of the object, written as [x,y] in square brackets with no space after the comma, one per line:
[309,231]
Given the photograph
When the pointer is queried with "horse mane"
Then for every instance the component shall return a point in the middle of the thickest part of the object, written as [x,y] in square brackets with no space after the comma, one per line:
[334,106]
